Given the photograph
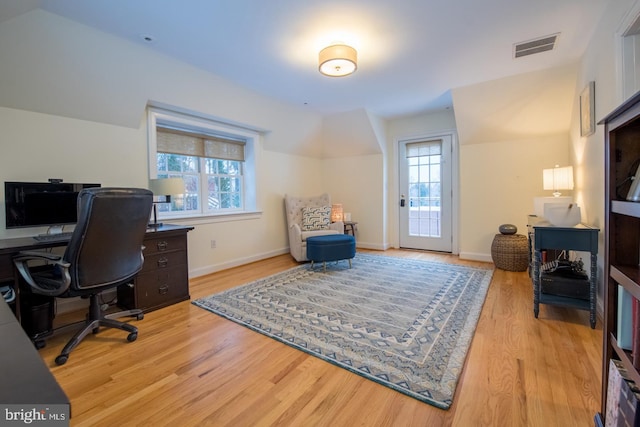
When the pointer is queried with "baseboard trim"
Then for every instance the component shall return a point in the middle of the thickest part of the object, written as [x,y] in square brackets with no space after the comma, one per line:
[472,256]
[203,271]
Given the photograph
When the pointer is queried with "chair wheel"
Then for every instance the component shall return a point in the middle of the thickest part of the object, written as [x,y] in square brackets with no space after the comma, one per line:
[140,316]
[62,359]
[39,344]
[132,336]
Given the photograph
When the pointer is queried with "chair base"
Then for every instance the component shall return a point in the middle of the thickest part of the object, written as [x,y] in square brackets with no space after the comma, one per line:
[95,320]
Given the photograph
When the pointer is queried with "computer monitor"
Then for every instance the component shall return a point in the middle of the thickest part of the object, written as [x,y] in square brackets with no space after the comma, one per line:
[42,204]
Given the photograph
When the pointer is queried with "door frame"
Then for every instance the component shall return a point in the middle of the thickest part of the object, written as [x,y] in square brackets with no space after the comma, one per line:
[455,184]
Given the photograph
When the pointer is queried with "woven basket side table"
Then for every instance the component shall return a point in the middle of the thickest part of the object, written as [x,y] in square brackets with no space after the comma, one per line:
[510,252]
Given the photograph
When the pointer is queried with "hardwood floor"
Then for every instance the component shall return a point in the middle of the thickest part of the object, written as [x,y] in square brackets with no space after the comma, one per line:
[191,367]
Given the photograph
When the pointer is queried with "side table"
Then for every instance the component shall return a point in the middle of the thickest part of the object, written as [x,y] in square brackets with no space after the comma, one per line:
[578,238]
[350,227]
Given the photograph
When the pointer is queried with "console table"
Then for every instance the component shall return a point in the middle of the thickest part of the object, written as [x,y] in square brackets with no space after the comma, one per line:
[578,238]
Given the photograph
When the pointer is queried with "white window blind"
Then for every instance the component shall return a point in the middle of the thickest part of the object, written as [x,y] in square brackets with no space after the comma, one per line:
[424,148]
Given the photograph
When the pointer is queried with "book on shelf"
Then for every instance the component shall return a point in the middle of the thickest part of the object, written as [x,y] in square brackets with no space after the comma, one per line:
[624,334]
[623,398]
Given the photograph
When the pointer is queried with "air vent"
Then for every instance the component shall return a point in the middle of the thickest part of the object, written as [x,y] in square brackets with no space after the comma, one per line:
[530,47]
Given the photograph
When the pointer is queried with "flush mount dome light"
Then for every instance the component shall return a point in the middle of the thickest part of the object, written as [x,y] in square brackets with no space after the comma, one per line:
[338,60]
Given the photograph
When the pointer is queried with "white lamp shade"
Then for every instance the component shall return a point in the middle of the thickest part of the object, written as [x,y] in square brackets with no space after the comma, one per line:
[558,178]
[166,186]
[338,60]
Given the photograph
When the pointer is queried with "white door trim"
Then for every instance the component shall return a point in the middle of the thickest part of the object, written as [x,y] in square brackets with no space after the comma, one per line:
[455,184]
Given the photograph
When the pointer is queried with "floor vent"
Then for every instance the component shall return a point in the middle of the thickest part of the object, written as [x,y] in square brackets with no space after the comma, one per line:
[530,47]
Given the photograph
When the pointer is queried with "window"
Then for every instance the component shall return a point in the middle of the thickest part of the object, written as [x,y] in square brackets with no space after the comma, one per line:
[215,160]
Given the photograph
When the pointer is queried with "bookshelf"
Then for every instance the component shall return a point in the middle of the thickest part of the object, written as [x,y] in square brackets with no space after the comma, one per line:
[621,236]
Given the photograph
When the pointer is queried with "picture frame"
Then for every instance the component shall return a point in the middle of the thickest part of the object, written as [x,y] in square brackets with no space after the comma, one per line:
[587,110]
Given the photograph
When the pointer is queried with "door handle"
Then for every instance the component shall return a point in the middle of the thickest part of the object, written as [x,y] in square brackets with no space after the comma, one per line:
[402,200]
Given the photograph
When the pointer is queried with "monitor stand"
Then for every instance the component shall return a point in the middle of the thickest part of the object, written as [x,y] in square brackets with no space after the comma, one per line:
[55,229]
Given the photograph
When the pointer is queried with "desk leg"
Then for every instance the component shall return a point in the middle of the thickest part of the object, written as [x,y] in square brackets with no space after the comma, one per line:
[536,282]
[592,290]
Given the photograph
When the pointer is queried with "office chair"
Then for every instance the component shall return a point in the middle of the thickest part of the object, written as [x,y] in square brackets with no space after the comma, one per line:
[105,251]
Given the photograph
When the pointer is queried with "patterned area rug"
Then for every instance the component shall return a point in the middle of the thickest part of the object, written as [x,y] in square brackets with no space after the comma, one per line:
[406,324]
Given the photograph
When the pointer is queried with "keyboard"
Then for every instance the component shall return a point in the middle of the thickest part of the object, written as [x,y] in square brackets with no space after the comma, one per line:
[59,237]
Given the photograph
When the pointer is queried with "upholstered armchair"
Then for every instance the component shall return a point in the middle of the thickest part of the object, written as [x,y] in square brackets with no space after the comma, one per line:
[307,217]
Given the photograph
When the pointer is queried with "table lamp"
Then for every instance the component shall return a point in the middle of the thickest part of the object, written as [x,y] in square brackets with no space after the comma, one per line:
[557,179]
[164,187]
[336,212]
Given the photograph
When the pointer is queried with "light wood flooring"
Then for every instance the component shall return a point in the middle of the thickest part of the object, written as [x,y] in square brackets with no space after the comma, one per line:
[191,367]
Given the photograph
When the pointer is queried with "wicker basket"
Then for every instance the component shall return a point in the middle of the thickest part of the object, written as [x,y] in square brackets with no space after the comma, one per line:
[510,252]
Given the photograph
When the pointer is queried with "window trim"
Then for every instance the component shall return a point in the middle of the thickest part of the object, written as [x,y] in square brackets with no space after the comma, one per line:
[171,117]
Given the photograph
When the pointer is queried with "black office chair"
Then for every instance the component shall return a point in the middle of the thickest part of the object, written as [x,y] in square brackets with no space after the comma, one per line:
[105,251]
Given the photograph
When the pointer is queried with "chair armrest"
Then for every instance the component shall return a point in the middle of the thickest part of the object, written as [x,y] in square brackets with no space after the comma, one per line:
[337,226]
[43,286]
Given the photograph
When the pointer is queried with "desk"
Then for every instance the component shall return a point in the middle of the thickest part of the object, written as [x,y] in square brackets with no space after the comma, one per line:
[26,380]
[578,238]
[165,260]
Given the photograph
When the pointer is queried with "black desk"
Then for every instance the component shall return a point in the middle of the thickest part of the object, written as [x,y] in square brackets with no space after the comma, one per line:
[24,378]
[26,381]
[10,247]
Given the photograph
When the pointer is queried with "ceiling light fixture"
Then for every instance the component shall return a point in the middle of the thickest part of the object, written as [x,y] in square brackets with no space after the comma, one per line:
[338,60]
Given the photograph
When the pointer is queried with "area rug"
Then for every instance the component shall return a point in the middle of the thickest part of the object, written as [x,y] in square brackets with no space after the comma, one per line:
[406,324]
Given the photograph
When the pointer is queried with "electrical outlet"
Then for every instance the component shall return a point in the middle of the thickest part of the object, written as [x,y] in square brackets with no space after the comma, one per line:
[213,244]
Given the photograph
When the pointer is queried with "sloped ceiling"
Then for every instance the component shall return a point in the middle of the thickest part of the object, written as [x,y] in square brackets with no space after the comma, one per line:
[515,108]
[410,53]
[349,134]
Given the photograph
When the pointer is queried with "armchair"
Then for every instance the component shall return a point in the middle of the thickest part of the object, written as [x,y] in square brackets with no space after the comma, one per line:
[298,234]
[105,251]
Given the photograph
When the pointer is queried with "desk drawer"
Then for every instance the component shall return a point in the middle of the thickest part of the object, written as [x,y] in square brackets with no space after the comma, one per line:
[174,243]
[164,260]
[160,288]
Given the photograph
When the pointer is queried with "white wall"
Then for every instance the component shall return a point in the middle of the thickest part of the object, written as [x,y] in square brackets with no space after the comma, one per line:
[85,121]
[601,63]
[357,183]
[509,129]
[498,183]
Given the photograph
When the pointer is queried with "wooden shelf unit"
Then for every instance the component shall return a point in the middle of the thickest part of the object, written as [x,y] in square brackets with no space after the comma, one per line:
[621,231]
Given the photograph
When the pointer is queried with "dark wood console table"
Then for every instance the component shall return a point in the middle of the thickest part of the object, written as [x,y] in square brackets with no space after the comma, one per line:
[164,279]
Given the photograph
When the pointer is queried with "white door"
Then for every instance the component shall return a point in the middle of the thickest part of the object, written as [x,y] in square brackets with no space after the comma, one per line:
[426,193]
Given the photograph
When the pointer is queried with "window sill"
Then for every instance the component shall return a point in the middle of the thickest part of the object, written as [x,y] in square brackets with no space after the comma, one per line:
[211,219]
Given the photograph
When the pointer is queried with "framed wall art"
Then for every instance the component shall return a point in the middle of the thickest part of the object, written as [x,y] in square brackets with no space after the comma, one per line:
[587,110]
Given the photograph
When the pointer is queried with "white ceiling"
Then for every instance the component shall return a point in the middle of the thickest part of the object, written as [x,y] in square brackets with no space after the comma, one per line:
[411,53]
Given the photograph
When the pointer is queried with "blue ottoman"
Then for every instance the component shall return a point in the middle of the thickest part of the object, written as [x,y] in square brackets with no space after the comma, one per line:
[331,247]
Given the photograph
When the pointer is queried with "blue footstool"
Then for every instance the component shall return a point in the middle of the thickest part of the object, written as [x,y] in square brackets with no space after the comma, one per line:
[331,247]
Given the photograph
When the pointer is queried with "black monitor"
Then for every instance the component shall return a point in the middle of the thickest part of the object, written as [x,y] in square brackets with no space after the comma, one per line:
[41,204]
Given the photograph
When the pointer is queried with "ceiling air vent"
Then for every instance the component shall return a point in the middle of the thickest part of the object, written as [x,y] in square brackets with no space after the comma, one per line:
[530,47]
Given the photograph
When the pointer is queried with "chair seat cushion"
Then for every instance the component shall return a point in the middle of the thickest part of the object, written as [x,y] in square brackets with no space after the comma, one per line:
[332,247]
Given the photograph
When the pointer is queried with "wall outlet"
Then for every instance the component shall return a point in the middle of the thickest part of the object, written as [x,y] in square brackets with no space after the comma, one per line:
[213,244]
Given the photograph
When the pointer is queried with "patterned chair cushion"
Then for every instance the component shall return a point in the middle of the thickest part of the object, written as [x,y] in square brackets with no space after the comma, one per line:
[316,218]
